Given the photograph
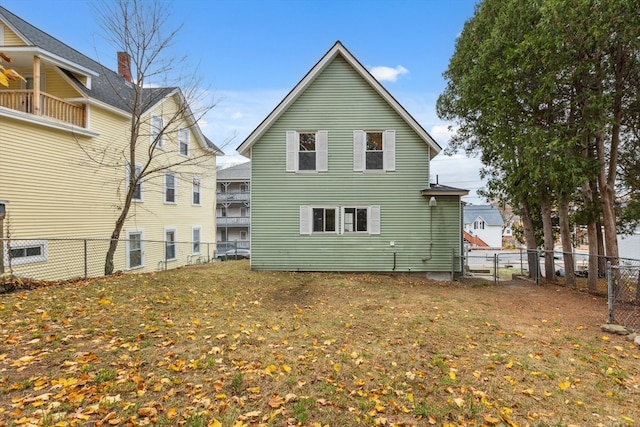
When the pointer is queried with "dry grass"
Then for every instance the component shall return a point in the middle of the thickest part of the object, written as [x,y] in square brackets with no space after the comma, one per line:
[221,345]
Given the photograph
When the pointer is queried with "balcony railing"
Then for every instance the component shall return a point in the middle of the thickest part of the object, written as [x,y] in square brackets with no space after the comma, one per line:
[50,106]
[233,197]
[238,221]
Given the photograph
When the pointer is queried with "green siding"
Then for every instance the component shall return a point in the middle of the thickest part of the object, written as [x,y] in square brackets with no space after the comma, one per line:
[341,101]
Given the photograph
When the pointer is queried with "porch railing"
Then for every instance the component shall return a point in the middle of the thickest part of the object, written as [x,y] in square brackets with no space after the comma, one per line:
[50,106]
[237,221]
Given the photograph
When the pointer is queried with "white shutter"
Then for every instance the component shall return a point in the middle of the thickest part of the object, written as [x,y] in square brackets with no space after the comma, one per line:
[292,152]
[389,146]
[305,219]
[374,219]
[358,150]
[322,142]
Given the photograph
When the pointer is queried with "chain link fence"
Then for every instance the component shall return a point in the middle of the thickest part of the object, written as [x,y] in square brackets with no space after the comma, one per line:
[68,259]
[502,266]
[623,284]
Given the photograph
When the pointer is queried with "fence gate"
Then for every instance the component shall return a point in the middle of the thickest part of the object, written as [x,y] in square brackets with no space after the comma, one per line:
[623,290]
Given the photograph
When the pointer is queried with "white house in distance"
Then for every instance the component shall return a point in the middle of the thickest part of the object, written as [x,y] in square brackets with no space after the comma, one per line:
[483,226]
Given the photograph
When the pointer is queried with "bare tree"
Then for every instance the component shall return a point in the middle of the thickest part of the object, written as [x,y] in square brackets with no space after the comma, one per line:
[140,32]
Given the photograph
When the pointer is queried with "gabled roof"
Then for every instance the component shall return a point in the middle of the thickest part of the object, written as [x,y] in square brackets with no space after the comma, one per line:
[490,214]
[337,50]
[241,172]
[107,86]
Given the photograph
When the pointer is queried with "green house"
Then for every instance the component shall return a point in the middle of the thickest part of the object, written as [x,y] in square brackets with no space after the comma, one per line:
[340,181]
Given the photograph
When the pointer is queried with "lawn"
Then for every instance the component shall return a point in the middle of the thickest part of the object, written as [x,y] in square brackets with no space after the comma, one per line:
[219,345]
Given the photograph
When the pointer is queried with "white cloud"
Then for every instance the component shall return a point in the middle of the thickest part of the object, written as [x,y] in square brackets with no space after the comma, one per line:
[441,133]
[388,74]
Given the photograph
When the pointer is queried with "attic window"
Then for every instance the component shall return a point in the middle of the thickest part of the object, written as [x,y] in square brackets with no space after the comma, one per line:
[306,151]
[374,150]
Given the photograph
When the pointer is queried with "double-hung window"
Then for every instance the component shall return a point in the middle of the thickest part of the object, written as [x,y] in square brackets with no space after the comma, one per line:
[169,244]
[355,219]
[135,249]
[195,191]
[374,150]
[318,219]
[138,189]
[307,151]
[157,133]
[170,184]
[183,142]
[195,239]
[343,220]
[361,219]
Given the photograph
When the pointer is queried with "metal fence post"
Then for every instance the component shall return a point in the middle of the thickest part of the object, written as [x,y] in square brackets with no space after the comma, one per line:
[85,258]
[495,269]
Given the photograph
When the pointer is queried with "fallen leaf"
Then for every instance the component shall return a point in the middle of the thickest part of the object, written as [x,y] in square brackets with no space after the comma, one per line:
[276,401]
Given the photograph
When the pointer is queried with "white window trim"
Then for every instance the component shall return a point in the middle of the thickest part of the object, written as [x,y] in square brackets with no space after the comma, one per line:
[174,230]
[184,133]
[193,241]
[1,35]
[360,151]
[193,188]
[128,234]
[175,188]
[373,220]
[141,199]
[154,131]
[22,244]
[306,219]
[293,150]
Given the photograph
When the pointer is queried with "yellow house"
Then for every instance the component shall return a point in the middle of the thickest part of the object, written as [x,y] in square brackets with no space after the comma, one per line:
[64,150]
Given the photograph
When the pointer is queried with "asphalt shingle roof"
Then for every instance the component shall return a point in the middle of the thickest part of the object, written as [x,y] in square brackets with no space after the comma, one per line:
[490,214]
[237,172]
[108,86]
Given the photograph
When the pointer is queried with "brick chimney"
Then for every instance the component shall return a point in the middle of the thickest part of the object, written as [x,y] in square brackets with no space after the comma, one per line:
[124,65]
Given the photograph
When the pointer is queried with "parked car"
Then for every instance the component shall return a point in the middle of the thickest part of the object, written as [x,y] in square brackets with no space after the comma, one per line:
[578,273]
[222,247]
[234,254]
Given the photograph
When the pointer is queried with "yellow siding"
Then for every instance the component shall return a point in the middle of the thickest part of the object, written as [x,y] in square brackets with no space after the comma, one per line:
[10,38]
[56,85]
[56,191]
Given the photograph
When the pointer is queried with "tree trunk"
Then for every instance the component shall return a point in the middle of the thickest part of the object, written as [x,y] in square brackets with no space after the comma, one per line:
[590,194]
[115,236]
[592,272]
[607,197]
[567,247]
[602,259]
[530,242]
[547,228]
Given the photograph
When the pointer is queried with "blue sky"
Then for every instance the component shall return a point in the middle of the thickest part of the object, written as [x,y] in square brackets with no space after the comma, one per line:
[251,53]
